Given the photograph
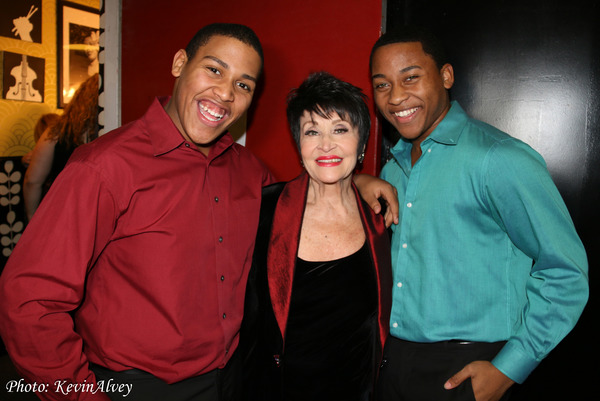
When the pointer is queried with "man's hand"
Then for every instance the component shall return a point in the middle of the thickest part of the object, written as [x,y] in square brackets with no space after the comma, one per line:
[489,384]
[371,189]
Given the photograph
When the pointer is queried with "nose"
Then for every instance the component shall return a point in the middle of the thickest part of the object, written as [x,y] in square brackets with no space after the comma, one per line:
[224,91]
[398,94]
[326,143]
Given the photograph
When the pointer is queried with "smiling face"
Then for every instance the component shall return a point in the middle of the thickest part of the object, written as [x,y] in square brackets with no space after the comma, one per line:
[409,90]
[213,89]
[329,147]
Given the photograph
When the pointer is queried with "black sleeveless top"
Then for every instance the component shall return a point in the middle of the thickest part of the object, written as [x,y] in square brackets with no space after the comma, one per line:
[331,330]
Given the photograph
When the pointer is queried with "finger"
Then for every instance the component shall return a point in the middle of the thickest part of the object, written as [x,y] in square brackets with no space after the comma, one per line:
[393,206]
[393,210]
[456,380]
[389,218]
[375,206]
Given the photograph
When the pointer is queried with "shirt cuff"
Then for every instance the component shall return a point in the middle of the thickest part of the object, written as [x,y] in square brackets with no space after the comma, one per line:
[514,363]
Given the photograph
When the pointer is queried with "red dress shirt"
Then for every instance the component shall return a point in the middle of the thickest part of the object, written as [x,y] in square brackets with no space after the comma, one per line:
[144,244]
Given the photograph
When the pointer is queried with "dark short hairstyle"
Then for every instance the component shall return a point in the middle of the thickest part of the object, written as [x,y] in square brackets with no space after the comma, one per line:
[323,94]
[236,31]
[403,34]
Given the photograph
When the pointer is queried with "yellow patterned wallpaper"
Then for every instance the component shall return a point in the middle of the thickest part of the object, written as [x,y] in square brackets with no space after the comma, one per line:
[17,118]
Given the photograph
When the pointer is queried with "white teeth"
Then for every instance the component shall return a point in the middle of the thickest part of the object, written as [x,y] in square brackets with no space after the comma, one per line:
[405,113]
[211,113]
[330,161]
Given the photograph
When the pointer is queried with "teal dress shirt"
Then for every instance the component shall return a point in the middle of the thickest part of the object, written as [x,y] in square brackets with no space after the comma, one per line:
[485,249]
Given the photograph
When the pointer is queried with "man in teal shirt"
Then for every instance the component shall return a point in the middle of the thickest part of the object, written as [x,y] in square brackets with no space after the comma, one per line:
[489,272]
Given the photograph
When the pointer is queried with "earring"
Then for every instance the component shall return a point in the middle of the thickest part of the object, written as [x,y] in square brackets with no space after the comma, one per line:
[361,157]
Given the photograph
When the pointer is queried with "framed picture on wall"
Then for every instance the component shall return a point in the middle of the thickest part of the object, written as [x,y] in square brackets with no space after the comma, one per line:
[21,20]
[22,77]
[78,46]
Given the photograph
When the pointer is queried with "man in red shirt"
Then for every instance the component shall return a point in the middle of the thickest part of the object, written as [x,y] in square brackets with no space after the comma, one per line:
[130,279]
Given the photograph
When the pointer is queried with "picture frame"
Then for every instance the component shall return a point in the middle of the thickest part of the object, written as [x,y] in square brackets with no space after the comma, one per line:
[78,46]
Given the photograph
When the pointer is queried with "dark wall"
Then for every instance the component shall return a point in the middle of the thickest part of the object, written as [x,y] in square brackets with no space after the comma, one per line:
[532,69]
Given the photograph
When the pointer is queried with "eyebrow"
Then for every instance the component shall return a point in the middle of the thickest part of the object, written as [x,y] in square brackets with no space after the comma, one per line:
[226,66]
[402,71]
[313,122]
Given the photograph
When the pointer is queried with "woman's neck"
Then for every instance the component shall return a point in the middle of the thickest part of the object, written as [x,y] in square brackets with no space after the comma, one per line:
[338,194]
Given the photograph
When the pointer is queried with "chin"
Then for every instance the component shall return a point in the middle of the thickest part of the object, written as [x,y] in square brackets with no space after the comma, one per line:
[332,180]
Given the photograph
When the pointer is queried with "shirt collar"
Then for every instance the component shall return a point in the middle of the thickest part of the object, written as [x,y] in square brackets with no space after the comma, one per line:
[447,132]
[165,136]
[451,127]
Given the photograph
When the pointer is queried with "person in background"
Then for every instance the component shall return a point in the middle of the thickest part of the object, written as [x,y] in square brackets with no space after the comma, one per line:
[45,121]
[317,305]
[489,272]
[133,270]
[76,126]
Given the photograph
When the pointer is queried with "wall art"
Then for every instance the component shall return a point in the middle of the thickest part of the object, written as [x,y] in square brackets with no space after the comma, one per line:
[22,77]
[21,20]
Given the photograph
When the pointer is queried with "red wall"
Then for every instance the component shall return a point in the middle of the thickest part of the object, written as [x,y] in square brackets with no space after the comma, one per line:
[298,37]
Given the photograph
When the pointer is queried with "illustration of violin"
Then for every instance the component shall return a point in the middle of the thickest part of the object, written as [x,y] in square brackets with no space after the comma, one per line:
[23,88]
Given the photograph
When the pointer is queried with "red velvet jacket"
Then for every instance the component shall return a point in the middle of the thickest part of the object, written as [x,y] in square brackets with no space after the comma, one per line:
[270,283]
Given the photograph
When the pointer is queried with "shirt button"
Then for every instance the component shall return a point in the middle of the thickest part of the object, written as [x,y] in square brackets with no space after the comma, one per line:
[220,239]
[216,198]
[409,204]
[428,150]
[224,316]
[399,285]
[395,325]
[404,246]
[187,145]
[222,278]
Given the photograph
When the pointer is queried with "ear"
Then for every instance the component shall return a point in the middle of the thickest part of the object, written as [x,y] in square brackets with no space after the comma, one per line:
[179,61]
[361,155]
[447,73]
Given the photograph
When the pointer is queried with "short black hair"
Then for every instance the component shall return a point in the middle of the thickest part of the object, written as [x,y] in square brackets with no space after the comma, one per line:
[323,94]
[407,33]
[237,31]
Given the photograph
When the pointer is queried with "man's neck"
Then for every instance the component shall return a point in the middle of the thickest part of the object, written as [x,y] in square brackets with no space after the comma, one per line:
[415,153]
